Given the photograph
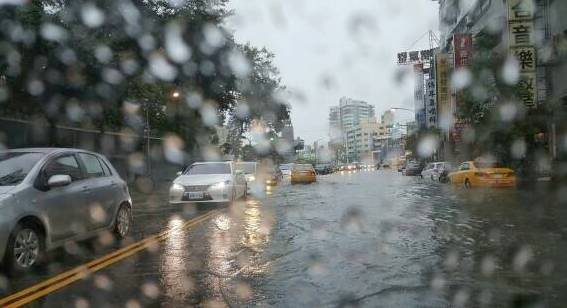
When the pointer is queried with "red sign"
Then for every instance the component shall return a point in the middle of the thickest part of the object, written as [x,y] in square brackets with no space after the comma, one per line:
[462,43]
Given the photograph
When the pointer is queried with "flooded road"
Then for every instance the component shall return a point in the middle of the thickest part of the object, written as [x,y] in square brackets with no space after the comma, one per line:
[367,239]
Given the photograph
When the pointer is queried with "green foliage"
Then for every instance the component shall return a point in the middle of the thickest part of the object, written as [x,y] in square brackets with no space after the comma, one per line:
[99,68]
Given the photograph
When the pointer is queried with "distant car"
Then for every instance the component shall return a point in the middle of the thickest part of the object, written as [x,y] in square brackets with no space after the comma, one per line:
[207,182]
[273,177]
[385,166]
[286,169]
[250,172]
[303,173]
[48,197]
[482,174]
[434,170]
[323,169]
[413,169]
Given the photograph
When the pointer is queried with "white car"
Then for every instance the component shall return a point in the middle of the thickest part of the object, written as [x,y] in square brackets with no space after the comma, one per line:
[208,182]
[286,169]
[249,169]
[433,170]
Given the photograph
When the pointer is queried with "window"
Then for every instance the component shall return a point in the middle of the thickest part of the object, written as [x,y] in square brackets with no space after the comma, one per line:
[15,166]
[105,167]
[212,168]
[64,165]
[464,166]
[92,165]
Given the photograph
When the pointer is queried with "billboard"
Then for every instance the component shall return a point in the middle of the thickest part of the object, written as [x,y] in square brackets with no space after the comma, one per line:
[415,57]
[521,45]
[419,95]
[443,91]
[430,101]
[463,47]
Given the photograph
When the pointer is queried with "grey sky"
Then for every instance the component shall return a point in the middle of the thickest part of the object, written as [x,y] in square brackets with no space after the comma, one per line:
[326,49]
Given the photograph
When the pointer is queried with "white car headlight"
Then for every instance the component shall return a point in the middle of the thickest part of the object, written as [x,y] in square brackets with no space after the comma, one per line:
[176,187]
[220,185]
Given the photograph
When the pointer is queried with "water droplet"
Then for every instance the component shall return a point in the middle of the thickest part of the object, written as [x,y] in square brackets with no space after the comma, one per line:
[518,149]
[150,290]
[103,282]
[98,214]
[92,16]
[81,303]
[36,87]
[461,79]
[52,32]
[239,64]
[161,68]
[176,48]
[427,145]
[209,114]
[522,258]
[508,112]
[511,71]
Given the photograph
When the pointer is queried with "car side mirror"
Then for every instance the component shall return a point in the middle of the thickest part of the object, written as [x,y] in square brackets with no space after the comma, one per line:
[58,180]
[179,173]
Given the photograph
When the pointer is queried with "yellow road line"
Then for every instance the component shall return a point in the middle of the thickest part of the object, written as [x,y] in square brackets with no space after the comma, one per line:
[55,283]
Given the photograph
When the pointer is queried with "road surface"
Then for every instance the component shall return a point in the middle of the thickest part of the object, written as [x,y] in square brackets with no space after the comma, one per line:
[363,239]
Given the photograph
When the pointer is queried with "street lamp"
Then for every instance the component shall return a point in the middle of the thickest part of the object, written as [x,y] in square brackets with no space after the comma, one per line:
[175,94]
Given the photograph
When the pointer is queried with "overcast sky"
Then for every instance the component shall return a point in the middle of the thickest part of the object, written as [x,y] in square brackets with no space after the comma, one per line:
[326,49]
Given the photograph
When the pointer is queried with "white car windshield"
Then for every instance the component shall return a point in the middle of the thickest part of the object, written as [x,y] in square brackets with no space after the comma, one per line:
[248,168]
[15,166]
[214,168]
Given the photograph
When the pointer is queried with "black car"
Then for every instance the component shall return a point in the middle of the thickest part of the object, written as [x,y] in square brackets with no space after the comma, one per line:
[323,169]
[413,169]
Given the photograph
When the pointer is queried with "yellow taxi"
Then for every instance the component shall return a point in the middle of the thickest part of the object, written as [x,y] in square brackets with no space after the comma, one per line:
[482,174]
[303,173]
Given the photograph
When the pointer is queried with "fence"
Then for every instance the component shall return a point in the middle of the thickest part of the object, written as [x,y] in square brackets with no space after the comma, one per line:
[133,155]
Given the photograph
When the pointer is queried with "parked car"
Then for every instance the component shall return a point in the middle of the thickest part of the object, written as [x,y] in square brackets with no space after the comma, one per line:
[413,168]
[206,182]
[434,170]
[323,169]
[482,174]
[303,173]
[48,197]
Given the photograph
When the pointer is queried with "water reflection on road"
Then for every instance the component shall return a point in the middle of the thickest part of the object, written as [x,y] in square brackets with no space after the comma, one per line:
[378,238]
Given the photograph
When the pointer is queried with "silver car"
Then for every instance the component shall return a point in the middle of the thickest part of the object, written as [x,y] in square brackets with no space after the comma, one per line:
[208,182]
[49,196]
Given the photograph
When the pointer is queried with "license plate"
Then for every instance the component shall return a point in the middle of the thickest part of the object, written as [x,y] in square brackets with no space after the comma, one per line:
[195,195]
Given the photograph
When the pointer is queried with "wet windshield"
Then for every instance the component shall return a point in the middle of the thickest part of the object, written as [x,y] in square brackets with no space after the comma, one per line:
[220,168]
[366,131]
[248,168]
[15,166]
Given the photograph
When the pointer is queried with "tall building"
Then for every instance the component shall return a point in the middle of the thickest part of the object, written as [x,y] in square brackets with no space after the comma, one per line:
[365,138]
[388,118]
[352,112]
[335,130]
[534,31]
[343,118]
[287,132]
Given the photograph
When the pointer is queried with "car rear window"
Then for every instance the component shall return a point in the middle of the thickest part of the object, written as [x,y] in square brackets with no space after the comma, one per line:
[303,167]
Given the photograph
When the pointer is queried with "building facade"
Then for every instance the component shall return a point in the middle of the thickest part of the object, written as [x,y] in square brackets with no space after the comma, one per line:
[364,139]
